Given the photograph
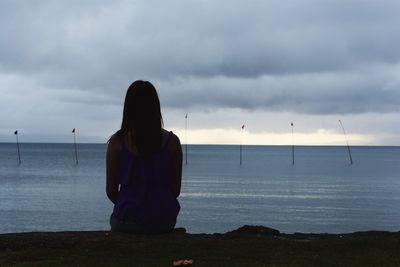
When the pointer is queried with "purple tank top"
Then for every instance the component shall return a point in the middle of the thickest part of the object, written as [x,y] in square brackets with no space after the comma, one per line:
[145,196]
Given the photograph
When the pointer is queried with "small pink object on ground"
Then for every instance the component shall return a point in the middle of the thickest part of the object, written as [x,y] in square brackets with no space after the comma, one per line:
[183,262]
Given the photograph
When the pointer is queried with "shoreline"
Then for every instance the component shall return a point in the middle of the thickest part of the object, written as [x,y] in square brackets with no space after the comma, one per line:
[245,246]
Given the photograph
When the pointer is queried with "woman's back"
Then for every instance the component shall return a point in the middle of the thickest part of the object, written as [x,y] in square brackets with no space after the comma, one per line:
[145,188]
[144,166]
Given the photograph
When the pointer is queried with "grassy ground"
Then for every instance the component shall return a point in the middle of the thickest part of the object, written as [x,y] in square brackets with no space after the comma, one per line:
[241,248]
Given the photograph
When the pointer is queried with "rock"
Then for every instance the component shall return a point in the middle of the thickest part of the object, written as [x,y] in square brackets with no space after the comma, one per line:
[254,230]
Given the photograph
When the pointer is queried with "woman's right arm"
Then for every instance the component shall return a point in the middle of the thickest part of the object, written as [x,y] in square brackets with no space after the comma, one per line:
[113,152]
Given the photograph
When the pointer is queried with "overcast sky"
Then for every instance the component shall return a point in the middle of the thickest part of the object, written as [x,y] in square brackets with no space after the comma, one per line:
[66,64]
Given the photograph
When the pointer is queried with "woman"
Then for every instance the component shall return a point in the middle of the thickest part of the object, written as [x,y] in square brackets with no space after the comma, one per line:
[144,166]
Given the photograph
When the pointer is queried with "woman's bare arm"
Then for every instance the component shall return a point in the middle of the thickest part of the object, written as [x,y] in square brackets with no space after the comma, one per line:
[113,151]
[176,152]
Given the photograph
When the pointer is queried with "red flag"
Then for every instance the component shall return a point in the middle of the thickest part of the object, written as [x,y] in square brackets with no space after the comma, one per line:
[73,130]
[243,127]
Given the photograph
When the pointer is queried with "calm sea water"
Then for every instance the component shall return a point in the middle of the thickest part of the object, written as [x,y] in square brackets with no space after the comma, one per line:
[322,192]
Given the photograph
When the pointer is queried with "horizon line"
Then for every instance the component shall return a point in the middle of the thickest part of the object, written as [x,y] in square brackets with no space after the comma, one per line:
[212,144]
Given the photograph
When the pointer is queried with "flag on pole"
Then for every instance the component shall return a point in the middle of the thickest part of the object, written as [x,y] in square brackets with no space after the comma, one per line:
[186,155]
[291,124]
[19,155]
[76,152]
[241,142]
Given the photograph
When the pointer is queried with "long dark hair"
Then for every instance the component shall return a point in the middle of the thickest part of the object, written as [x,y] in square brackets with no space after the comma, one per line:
[142,120]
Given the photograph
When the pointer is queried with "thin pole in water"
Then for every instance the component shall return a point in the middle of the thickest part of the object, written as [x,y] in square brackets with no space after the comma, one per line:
[186,141]
[19,155]
[241,141]
[291,124]
[76,150]
[348,147]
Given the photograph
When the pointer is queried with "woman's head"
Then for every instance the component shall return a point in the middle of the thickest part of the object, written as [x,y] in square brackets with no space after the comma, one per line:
[142,117]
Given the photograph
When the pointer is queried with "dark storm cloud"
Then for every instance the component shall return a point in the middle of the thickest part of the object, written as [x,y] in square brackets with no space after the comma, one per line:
[312,93]
[321,57]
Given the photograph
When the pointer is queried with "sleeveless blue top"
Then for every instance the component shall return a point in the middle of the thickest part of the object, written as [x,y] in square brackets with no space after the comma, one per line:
[145,196]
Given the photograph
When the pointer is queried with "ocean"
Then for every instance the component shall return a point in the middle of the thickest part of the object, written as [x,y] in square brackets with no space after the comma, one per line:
[321,193]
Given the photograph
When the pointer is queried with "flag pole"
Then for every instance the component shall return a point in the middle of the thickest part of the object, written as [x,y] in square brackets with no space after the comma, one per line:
[19,155]
[241,141]
[76,150]
[291,124]
[348,147]
[186,141]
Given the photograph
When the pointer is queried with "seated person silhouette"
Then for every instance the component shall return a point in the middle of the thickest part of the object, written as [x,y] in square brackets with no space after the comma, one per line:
[144,166]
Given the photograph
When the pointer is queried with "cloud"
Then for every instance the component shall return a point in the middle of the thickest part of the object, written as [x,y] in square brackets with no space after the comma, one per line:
[370,90]
[324,58]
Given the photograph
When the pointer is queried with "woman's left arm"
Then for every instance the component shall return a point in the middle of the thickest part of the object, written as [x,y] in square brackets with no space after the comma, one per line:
[176,151]
[113,151]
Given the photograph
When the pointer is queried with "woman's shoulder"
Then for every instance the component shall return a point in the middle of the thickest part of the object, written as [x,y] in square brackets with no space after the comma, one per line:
[114,143]
[171,138]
